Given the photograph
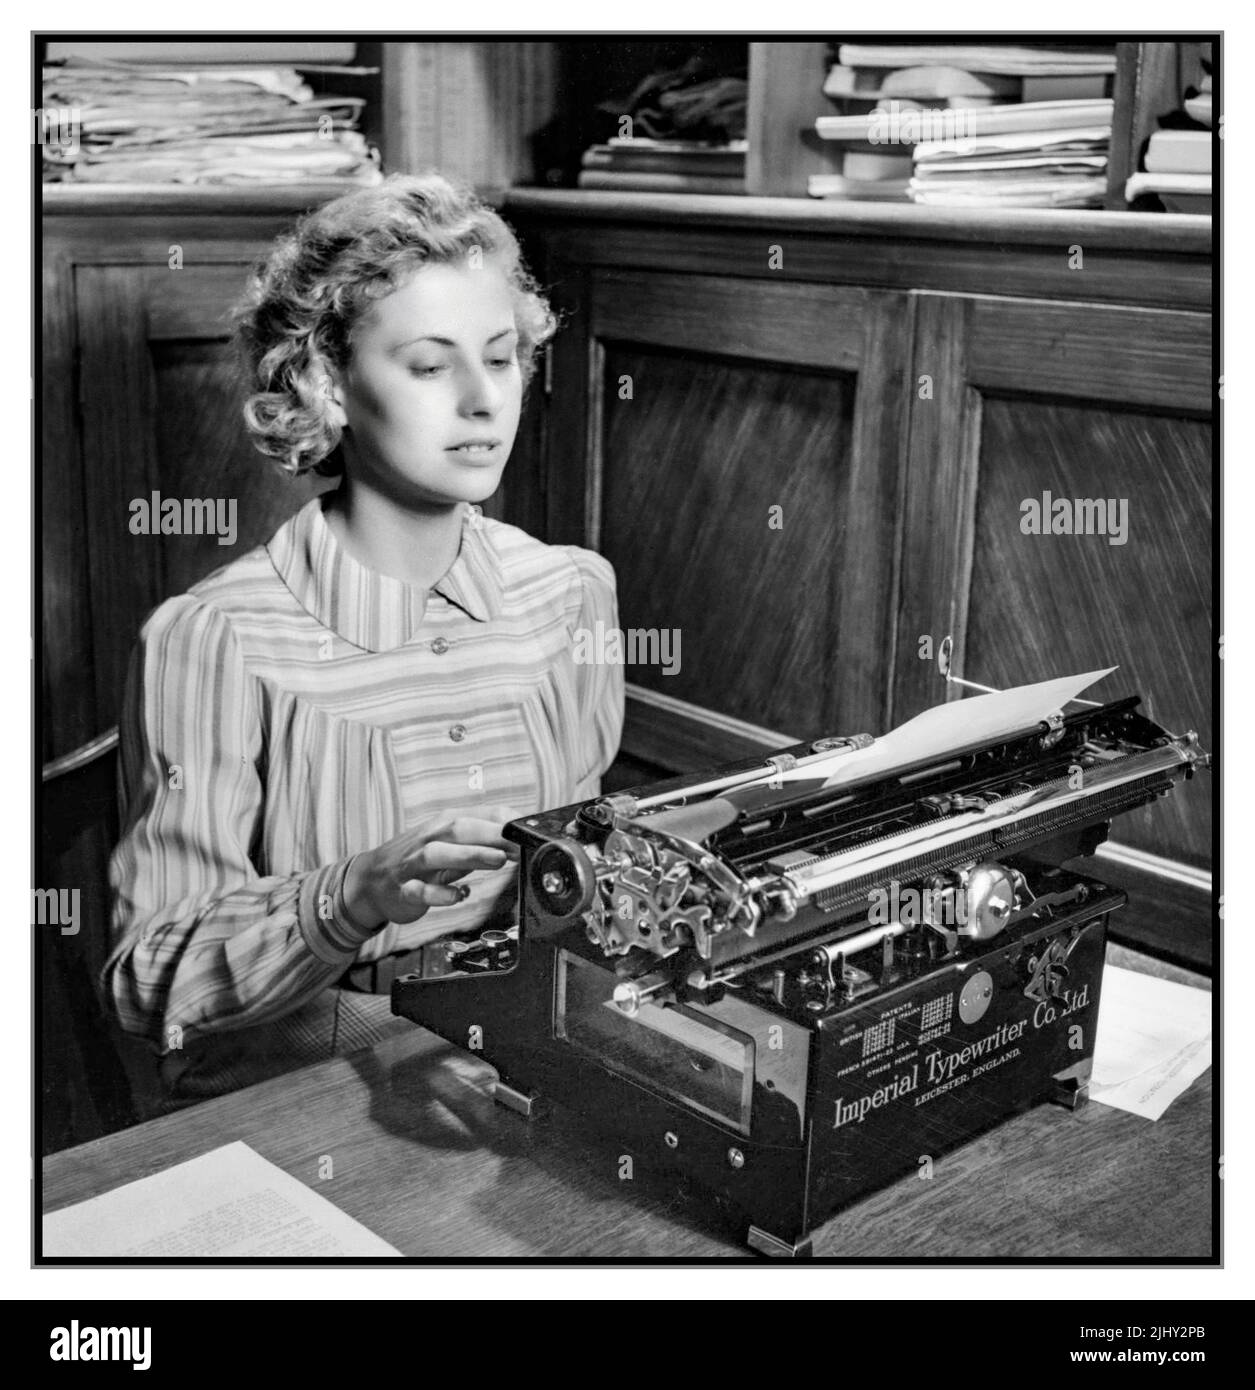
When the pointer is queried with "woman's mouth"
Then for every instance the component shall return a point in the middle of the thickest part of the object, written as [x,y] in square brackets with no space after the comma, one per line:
[475,448]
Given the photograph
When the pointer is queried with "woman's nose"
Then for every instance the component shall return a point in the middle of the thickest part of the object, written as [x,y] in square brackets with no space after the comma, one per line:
[481,395]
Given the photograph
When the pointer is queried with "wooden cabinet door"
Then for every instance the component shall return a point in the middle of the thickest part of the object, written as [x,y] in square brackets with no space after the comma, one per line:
[160,400]
[733,446]
[1015,399]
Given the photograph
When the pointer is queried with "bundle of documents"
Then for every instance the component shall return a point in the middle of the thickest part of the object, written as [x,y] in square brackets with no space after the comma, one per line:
[664,166]
[893,98]
[1059,168]
[999,59]
[212,124]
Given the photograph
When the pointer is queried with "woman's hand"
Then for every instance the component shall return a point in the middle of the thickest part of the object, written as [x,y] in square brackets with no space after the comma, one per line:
[399,880]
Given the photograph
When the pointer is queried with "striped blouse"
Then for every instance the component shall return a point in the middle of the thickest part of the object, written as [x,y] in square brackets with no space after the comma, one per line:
[295,708]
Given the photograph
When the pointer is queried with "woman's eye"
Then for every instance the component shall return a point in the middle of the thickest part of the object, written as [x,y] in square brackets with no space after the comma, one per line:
[426,371]
[501,363]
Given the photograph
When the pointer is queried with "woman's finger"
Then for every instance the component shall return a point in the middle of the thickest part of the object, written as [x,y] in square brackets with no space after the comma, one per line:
[474,830]
[441,855]
[418,893]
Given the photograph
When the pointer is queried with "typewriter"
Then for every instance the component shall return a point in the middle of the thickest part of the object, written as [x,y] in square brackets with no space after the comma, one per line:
[791,977]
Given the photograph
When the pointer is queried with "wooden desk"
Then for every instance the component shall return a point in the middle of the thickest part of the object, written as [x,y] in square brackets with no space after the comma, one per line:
[423,1156]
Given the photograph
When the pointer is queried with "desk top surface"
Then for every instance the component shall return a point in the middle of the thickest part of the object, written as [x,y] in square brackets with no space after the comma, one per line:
[423,1156]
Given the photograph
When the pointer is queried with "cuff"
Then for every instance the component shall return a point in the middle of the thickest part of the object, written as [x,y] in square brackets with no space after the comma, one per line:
[331,932]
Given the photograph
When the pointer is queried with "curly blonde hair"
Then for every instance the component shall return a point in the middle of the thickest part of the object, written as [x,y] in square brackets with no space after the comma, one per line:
[303,302]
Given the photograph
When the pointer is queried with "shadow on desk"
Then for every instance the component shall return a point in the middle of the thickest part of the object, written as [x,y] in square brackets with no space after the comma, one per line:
[547,1182]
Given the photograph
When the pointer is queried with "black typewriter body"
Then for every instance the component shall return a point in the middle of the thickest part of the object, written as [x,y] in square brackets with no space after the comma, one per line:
[794,993]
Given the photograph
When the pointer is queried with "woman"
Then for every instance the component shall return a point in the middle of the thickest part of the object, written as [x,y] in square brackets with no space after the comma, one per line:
[322,740]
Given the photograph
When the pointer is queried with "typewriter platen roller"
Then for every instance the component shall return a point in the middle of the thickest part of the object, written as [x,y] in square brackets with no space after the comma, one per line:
[792,977]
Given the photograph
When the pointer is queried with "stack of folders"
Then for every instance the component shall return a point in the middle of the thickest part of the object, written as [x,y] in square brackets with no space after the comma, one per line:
[969,125]
[200,123]
[1178,163]
[635,164]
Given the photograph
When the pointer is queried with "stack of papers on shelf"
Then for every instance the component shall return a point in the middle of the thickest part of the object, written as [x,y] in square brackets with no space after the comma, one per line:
[897,97]
[664,166]
[140,123]
[998,58]
[1058,168]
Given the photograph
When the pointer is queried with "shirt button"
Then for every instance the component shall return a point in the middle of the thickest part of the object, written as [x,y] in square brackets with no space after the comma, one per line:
[440,646]
[458,733]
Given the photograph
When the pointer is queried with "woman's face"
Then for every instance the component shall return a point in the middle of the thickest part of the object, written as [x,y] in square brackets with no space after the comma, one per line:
[432,393]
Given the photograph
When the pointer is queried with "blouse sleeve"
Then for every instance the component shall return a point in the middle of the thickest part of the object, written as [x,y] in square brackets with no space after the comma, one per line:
[601,684]
[199,940]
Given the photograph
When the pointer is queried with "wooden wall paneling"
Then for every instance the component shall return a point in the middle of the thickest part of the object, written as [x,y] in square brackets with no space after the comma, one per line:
[938,507]
[118,403]
[695,460]
[195,302]
[747,396]
[993,262]
[200,389]
[1045,605]
[1093,402]
[868,595]
[670,734]
[801,325]
[573,365]
[159,373]
[68,695]
[1158,358]
[148,240]
[520,500]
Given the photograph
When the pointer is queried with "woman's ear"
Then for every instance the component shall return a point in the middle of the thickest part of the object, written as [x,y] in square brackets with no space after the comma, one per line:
[333,393]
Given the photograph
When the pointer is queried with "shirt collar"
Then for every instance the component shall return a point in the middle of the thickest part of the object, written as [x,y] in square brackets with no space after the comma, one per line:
[373,610]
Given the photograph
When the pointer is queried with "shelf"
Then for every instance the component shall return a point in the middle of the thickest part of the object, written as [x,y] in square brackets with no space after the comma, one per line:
[1133,231]
[130,199]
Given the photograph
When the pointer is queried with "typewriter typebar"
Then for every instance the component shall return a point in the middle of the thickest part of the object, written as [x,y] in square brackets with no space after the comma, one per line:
[790,987]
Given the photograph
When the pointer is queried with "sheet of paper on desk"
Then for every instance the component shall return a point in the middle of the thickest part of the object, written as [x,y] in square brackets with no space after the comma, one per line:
[228,1202]
[1154,1039]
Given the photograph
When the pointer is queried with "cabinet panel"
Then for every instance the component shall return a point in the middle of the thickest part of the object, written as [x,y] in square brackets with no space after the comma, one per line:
[1042,604]
[694,464]
[684,410]
[1031,405]
[161,413]
[1161,358]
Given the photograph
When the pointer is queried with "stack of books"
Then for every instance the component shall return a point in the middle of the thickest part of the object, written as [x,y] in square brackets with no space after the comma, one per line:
[118,120]
[664,166]
[1177,167]
[971,126]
